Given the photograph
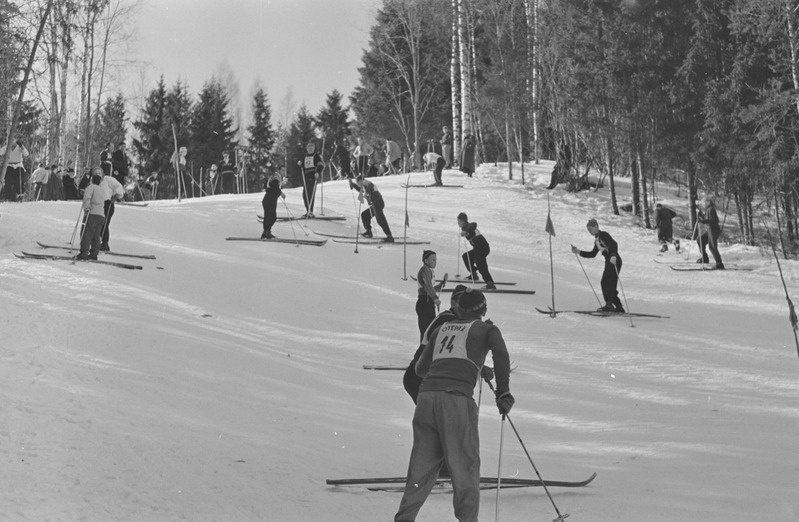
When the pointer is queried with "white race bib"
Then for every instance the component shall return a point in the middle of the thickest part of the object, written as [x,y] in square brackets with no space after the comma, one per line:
[451,341]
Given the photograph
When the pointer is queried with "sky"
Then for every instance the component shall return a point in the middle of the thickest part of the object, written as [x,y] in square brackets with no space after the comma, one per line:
[224,381]
[308,46]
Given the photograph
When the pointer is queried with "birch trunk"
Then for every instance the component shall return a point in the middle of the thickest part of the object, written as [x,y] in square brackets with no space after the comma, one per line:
[455,66]
[466,76]
[791,9]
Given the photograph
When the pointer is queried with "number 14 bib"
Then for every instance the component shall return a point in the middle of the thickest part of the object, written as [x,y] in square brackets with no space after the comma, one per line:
[451,341]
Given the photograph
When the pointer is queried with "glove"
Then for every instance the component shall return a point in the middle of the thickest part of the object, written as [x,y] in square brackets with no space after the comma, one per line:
[283,196]
[316,175]
[575,250]
[438,303]
[487,373]
[299,163]
[613,259]
[505,402]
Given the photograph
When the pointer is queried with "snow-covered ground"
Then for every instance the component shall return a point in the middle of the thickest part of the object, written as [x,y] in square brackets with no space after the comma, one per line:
[225,380]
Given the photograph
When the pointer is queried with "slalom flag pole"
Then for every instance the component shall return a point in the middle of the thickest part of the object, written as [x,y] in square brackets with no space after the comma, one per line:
[550,229]
[791,311]
[405,236]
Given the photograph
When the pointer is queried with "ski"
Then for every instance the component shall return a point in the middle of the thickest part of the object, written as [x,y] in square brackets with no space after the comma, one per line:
[597,313]
[384,367]
[300,218]
[497,291]
[132,203]
[706,268]
[140,256]
[458,280]
[432,185]
[338,236]
[372,241]
[28,255]
[307,242]
[380,484]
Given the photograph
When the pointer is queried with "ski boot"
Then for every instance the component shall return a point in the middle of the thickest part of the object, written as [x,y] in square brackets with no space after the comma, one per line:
[367,234]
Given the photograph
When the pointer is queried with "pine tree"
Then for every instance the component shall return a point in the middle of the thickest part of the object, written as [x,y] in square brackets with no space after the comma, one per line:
[300,133]
[332,121]
[261,138]
[150,147]
[211,128]
[110,125]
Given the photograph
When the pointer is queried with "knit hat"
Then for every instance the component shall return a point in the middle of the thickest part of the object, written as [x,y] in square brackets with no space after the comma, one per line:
[472,301]
[459,290]
[426,254]
[592,223]
[463,216]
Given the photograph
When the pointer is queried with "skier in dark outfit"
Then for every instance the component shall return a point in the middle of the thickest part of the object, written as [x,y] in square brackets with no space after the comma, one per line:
[376,206]
[663,217]
[410,380]
[710,237]
[342,153]
[475,259]
[603,242]
[312,166]
[428,300]
[270,205]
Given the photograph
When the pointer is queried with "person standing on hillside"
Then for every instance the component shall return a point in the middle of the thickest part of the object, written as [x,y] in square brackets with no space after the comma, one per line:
[446,146]
[94,208]
[393,156]
[604,243]
[476,258]
[312,167]
[106,162]
[120,163]
[710,237]
[427,301]
[113,191]
[431,159]
[39,180]
[13,184]
[363,152]
[445,419]
[663,217]
[342,154]
[270,205]
[467,155]
[373,197]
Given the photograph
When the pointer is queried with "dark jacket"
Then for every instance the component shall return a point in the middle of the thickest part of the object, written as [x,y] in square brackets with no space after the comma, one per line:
[474,237]
[663,217]
[711,219]
[603,242]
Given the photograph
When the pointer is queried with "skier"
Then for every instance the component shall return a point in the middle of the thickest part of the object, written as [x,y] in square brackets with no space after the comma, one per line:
[362,153]
[269,203]
[467,155]
[39,180]
[603,242]
[105,158]
[342,153]
[427,302]
[431,159]
[121,163]
[476,258]
[373,197]
[393,156]
[94,208]
[663,217]
[12,183]
[710,237]
[113,192]
[445,419]
[311,166]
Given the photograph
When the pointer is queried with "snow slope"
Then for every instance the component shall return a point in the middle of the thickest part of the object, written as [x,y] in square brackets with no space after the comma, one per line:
[224,381]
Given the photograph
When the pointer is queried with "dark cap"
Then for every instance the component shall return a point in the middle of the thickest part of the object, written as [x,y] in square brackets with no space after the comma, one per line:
[426,254]
[472,301]
[458,290]
[463,216]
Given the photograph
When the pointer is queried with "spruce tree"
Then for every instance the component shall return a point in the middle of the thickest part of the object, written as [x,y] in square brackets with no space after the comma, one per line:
[261,138]
[332,120]
[110,125]
[300,133]
[211,128]
[150,147]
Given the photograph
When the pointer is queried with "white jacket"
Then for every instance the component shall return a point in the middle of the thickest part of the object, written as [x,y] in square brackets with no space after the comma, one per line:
[112,188]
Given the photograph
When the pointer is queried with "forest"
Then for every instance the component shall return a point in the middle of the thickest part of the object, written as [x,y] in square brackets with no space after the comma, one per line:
[703,94]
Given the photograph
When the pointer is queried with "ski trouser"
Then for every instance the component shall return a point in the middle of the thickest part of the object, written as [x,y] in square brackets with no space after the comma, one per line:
[376,209]
[270,213]
[425,312]
[446,151]
[476,261]
[444,430]
[92,234]
[363,165]
[308,195]
[437,172]
[610,279]
[411,381]
[710,241]
[12,187]
[109,213]
[228,182]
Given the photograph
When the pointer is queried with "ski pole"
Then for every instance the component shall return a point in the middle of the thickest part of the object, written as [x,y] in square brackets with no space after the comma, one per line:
[292,218]
[458,260]
[297,243]
[311,202]
[499,466]
[75,230]
[587,278]
[560,517]
[626,306]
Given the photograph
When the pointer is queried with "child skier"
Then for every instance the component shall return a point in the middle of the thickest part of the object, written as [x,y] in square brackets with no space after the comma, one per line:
[376,206]
[269,203]
[427,302]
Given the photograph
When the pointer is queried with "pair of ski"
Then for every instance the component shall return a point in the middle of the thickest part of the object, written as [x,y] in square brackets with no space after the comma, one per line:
[432,185]
[302,217]
[72,249]
[50,257]
[305,242]
[600,313]
[700,267]
[350,238]
[397,484]
[466,280]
